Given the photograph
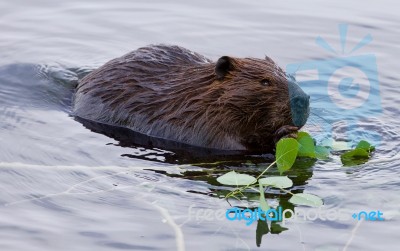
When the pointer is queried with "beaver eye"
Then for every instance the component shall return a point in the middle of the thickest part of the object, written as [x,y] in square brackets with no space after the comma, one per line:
[265,82]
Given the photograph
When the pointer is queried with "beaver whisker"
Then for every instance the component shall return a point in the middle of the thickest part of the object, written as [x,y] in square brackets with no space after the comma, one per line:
[320,117]
[318,99]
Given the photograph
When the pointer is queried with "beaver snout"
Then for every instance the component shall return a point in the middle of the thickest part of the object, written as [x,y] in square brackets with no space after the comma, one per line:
[299,104]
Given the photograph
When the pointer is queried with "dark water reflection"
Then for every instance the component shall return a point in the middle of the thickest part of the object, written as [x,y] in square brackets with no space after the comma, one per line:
[68,184]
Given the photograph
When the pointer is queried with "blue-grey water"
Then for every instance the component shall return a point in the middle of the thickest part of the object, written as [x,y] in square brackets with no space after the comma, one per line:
[66,187]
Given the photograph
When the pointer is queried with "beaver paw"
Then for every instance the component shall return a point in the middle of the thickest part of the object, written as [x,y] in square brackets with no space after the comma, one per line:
[286,131]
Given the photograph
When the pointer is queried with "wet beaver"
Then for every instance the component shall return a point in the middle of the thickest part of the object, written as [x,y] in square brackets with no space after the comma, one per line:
[172,93]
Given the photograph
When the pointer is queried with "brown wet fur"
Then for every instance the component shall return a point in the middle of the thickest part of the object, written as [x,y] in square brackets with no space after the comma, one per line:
[172,93]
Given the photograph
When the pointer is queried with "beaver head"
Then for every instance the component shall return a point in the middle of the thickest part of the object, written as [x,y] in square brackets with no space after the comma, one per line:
[172,93]
[259,100]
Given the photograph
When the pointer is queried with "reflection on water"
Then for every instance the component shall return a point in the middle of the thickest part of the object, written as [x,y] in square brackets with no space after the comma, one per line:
[73,184]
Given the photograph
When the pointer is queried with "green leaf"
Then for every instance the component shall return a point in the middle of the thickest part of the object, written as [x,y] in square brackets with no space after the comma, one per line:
[306,199]
[354,157]
[286,153]
[276,181]
[340,146]
[307,147]
[336,145]
[365,145]
[276,228]
[263,203]
[356,153]
[262,229]
[236,179]
[321,152]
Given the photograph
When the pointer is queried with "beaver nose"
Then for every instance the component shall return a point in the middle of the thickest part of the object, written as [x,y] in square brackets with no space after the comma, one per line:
[299,104]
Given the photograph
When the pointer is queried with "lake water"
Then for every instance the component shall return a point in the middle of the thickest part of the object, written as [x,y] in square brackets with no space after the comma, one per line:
[64,186]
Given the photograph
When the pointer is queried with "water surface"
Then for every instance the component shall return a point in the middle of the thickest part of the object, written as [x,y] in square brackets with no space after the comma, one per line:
[66,187]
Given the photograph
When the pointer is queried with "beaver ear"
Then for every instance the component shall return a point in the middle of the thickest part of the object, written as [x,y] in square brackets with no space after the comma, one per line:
[268,58]
[223,66]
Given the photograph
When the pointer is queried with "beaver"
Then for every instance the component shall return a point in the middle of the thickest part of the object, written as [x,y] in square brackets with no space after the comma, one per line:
[172,93]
